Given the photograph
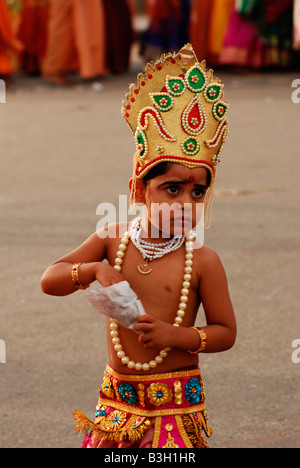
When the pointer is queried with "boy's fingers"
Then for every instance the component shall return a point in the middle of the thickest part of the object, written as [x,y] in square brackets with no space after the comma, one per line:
[143,327]
[146,340]
[145,319]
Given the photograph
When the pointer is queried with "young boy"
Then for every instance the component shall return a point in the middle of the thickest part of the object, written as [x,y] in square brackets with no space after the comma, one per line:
[152,394]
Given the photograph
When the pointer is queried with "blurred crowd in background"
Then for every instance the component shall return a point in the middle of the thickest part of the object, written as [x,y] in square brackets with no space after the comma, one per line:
[94,38]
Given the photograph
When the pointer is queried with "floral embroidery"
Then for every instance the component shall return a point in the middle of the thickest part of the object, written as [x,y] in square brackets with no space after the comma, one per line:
[196,79]
[220,109]
[162,101]
[178,393]
[193,391]
[175,85]
[213,92]
[128,393]
[191,147]
[100,411]
[159,394]
[114,421]
[107,387]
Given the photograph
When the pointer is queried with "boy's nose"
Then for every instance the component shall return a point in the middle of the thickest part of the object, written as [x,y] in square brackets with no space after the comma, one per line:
[185,199]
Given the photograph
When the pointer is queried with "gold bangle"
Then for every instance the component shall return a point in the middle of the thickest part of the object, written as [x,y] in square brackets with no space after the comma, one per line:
[75,277]
[203,339]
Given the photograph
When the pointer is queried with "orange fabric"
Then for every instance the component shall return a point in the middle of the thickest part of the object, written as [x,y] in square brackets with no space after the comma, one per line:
[76,38]
[220,14]
[6,38]
[209,22]
[200,27]
[89,27]
[33,33]
[61,53]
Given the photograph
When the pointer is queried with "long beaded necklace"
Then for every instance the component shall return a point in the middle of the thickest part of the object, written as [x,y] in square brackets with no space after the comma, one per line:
[189,247]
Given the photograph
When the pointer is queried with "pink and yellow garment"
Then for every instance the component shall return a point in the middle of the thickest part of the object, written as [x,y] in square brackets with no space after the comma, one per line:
[152,411]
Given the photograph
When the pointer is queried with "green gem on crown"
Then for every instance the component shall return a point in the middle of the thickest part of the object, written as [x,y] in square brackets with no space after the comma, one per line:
[163,101]
[175,86]
[212,93]
[196,80]
[141,141]
[220,109]
[191,147]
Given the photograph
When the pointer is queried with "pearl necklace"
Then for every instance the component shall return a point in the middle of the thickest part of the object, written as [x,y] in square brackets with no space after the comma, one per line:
[114,326]
[150,251]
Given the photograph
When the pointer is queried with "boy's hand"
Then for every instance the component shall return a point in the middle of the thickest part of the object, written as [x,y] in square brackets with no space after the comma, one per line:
[154,333]
[106,275]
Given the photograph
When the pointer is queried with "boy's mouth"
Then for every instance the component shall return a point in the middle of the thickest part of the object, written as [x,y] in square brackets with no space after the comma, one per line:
[183,220]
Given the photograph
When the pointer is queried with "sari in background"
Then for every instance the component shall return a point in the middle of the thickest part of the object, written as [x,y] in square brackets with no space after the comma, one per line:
[10,46]
[76,39]
[119,34]
[243,45]
[259,37]
[296,25]
[164,30]
[33,34]
[278,33]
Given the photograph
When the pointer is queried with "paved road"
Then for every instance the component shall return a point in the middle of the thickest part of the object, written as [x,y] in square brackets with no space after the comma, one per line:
[64,151]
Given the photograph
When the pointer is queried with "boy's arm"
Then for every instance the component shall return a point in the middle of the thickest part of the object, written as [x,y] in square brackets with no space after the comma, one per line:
[221,326]
[57,279]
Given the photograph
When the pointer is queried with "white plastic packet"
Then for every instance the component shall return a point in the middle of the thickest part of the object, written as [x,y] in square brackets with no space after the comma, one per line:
[119,302]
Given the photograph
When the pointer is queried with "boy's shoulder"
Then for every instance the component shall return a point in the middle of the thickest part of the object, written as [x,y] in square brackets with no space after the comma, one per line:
[205,252]
[113,232]
[206,259]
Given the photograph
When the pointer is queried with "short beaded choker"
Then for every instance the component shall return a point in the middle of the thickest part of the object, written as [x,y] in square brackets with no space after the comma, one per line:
[151,251]
[189,247]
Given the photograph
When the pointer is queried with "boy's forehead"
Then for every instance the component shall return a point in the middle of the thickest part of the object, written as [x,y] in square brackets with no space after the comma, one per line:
[186,174]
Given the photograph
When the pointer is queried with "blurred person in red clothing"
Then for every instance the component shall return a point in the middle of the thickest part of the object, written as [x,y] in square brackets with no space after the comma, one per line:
[163,33]
[119,34]
[9,44]
[33,34]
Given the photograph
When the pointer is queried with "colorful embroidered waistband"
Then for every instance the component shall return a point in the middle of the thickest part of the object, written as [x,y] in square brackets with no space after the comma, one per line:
[153,395]
[158,411]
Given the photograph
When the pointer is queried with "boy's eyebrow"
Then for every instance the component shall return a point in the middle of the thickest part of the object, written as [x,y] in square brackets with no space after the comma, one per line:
[181,182]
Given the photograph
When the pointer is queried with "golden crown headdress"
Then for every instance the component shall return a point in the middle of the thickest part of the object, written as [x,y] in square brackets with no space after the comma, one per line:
[177,113]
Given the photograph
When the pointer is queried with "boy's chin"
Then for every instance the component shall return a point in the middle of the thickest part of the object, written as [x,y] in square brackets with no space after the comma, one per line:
[172,229]
[181,228]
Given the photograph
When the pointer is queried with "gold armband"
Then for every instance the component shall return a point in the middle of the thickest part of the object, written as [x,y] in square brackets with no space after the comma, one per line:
[75,277]
[203,339]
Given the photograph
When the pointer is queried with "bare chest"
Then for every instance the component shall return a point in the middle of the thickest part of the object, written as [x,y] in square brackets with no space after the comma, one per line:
[160,290]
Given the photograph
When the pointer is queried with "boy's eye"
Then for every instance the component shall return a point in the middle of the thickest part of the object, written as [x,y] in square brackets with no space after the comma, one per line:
[198,193]
[173,190]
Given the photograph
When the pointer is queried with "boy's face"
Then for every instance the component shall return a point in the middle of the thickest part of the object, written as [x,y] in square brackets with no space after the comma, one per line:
[174,200]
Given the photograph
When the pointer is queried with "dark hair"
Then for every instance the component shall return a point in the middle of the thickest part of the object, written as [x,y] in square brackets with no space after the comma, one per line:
[156,171]
[162,168]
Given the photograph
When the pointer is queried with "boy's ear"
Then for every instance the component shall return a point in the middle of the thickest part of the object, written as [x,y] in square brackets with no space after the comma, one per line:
[140,190]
